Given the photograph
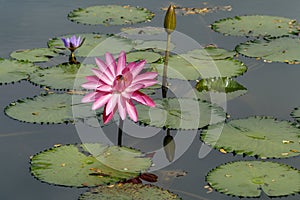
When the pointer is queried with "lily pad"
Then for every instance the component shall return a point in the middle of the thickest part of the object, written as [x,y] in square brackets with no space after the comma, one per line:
[149,56]
[94,45]
[63,76]
[284,49]
[264,137]
[34,55]
[250,178]
[72,165]
[296,114]
[148,30]
[175,113]
[191,67]
[129,191]
[13,71]
[156,45]
[256,25]
[211,52]
[110,15]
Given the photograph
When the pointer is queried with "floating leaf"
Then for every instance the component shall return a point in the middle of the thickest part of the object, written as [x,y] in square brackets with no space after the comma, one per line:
[63,76]
[12,70]
[180,114]
[34,55]
[94,45]
[282,49]
[148,30]
[256,25]
[202,11]
[70,165]
[211,52]
[110,15]
[157,45]
[149,56]
[250,178]
[128,191]
[296,114]
[255,136]
[192,66]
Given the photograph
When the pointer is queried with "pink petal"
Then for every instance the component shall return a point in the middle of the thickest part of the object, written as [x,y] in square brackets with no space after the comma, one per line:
[104,88]
[90,85]
[122,107]
[135,87]
[90,97]
[137,68]
[105,69]
[121,62]
[146,83]
[147,75]
[107,118]
[111,104]
[92,78]
[101,101]
[111,63]
[143,99]
[131,111]
[103,77]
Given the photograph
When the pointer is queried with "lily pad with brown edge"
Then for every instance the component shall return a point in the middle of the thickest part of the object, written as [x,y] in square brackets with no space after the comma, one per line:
[284,49]
[63,76]
[110,15]
[34,55]
[72,165]
[264,137]
[185,114]
[129,191]
[95,45]
[251,178]
[12,70]
[256,26]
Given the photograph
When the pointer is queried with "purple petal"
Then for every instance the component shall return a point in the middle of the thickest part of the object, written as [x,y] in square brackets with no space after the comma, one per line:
[66,42]
[73,40]
[131,111]
[121,62]
[101,101]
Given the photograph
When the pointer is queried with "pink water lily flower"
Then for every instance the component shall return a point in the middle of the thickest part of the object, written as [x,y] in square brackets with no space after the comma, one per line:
[72,43]
[115,85]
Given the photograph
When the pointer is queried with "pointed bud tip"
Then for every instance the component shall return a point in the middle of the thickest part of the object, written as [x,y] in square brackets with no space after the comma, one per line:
[170,19]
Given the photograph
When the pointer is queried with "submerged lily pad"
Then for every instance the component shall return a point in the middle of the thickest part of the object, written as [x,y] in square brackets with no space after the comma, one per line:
[192,66]
[110,15]
[94,45]
[149,56]
[63,76]
[250,178]
[128,192]
[284,49]
[180,114]
[34,55]
[71,165]
[256,25]
[13,71]
[264,137]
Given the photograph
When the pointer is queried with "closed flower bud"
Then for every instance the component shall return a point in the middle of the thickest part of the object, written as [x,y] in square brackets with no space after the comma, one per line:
[170,19]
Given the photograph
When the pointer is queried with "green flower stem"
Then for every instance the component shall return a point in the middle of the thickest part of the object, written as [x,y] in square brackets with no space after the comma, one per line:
[167,54]
[72,58]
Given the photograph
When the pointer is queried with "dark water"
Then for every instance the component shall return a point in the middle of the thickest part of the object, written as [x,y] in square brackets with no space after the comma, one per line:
[273,90]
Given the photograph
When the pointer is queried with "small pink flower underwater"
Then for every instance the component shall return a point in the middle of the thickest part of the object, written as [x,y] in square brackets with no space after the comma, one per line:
[72,43]
[115,85]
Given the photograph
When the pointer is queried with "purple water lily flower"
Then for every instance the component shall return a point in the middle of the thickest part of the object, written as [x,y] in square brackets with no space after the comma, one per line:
[72,43]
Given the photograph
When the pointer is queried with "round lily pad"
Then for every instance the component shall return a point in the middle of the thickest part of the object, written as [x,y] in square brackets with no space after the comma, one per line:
[34,55]
[250,178]
[189,67]
[63,76]
[149,56]
[129,191]
[264,137]
[94,45]
[148,30]
[156,45]
[72,165]
[256,25]
[211,52]
[110,15]
[284,49]
[12,70]
[175,113]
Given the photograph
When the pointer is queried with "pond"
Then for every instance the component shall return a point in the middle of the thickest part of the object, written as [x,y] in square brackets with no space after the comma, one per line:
[272,90]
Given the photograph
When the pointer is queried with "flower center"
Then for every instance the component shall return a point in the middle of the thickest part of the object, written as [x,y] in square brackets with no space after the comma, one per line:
[119,83]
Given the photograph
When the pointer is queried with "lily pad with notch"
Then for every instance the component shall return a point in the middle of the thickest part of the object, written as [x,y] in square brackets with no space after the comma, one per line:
[34,55]
[264,137]
[251,178]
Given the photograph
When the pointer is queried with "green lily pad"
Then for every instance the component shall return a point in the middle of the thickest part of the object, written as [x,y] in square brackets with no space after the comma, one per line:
[264,137]
[50,109]
[282,49]
[191,67]
[156,45]
[296,114]
[250,178]
[110,15]
[94,45]
[148,30]
[34,55]
[149,56]
[211,52]
[175,113]
[71,165]
[13,71]
[256,25]
[129,191]
[63,76]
